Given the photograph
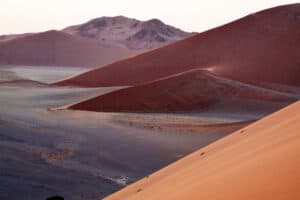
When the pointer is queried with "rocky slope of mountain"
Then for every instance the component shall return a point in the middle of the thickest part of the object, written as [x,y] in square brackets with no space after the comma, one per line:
[127,32]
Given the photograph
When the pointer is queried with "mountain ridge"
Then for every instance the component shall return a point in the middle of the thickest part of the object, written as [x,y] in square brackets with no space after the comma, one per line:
[128,32]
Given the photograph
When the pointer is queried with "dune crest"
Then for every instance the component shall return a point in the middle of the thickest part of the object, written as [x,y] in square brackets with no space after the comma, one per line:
[194,90]
[260,161]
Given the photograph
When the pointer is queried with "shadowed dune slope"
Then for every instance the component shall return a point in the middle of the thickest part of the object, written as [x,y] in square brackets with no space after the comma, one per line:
[55,48]
[263,46]
[189,91]
[259,162]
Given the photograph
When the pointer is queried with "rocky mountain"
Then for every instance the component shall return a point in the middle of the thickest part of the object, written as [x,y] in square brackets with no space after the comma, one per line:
[129,33]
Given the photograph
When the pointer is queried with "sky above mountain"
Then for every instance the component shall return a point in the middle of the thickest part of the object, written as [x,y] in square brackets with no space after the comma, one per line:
[191,15]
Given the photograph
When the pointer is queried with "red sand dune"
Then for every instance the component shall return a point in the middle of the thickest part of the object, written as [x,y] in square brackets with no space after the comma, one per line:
[263,46]
[55,48]
[258,162]
[190,91]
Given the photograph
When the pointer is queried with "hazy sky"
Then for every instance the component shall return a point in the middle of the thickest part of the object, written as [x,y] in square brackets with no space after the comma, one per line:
[18,16]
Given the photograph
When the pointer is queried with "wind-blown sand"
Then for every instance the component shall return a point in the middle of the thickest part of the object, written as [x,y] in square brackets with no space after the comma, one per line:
[260,161]
[56,48]
[196,90]
[263,46]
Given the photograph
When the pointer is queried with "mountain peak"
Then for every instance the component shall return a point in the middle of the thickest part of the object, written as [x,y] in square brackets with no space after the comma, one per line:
[155,21]
[113,20]
[128,32]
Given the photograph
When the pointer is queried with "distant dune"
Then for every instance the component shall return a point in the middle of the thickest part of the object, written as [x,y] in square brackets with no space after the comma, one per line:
[263,46]
[55,48]
[190,91]
[258,162]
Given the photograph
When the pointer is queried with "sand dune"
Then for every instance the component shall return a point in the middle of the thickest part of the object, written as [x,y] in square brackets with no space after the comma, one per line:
[55,48]
[263,46]
[190,91]
[260,161]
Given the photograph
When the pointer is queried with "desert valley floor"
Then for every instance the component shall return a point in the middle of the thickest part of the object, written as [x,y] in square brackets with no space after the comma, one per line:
[47,150]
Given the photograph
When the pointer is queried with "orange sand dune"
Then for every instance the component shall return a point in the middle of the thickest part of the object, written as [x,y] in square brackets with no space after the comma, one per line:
[260,161]
[263,46]
[190,91]
[55,48]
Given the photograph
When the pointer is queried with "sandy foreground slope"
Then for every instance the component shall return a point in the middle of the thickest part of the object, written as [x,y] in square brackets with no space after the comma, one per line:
[260,161]
[195,90]
[263,46]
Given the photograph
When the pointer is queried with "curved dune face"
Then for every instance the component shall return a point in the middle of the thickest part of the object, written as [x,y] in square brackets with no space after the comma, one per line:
[259,162]
[55,48]
[264,46]
[190,91]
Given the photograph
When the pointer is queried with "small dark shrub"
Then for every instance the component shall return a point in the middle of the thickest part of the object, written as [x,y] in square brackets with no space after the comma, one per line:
[55,198]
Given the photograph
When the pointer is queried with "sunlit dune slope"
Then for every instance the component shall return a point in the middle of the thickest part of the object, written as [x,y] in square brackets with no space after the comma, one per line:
[260,161]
